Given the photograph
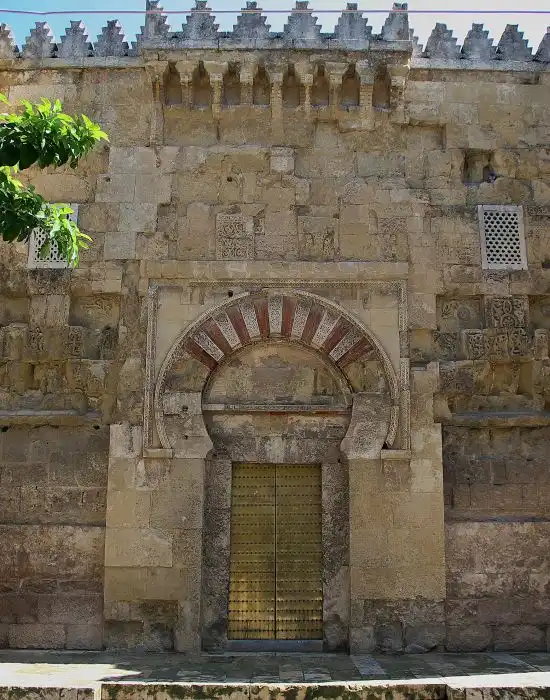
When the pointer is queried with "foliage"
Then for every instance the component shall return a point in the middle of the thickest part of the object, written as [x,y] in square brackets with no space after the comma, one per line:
[42,135]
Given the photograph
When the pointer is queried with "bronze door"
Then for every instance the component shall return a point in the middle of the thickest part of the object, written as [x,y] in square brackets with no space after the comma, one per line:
[276,589]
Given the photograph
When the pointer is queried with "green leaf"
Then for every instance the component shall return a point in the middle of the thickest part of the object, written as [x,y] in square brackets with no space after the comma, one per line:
[45,250]
[44,135]
[27,156]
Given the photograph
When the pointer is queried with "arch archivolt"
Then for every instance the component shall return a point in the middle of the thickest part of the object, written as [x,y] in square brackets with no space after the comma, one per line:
[277,316]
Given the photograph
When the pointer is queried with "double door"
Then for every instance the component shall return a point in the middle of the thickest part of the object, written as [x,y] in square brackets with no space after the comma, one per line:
[276,588]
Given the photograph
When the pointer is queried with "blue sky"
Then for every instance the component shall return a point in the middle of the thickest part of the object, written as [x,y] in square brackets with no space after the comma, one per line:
[534,26]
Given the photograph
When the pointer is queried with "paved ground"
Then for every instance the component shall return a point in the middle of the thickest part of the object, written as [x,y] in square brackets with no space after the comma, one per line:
[91,669]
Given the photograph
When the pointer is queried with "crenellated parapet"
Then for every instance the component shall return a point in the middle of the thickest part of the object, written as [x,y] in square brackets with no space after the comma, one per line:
[478,51]
[40,43]
[477,45]
[302,31]
[75,42]
[543,54]
[8,49]
[441,43]
[111,41]
[200,31]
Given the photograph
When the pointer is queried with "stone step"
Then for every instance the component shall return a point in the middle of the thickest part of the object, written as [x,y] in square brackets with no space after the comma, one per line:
[364,690]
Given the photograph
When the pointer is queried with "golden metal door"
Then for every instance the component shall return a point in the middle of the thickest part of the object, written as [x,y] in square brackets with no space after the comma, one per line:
[276,589]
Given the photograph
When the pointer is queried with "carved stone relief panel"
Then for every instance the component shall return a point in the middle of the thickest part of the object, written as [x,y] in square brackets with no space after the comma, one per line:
[454,315]
[507,312]
[234,237]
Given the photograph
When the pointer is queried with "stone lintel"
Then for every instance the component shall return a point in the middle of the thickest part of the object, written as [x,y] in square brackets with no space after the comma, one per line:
[265,273]
[54,417]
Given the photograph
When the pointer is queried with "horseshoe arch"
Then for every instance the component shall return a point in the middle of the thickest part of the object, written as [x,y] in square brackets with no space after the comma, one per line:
[295,317]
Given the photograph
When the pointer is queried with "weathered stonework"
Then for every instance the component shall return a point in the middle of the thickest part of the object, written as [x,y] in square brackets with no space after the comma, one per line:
[286,268]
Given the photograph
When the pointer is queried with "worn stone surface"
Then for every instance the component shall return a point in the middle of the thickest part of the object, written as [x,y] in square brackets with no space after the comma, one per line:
[286,268]
[54,676]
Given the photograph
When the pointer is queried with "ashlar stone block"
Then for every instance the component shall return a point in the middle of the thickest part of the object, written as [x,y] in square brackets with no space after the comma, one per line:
[155,188]
[137,547]
[120,245]
[37,636]
[138,217]
[116,188]
[49,310]
[128,509]
[282,160]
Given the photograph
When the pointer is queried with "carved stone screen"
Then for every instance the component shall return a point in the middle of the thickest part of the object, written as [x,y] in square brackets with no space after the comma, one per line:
[51,258]
[502,238]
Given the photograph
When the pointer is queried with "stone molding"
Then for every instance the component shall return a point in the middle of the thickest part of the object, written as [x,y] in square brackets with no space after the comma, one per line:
[260,273]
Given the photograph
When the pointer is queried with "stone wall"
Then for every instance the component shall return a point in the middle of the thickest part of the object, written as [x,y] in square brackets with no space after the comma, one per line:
[53,488]
[350,176]
[497,537]
[495,439]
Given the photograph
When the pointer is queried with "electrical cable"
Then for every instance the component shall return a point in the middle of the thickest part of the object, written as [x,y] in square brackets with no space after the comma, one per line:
[271,12]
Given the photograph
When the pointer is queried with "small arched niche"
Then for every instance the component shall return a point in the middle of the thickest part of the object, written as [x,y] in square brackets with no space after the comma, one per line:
[350,89]
[320,89]
[261,87]
[172,85]
[231,86]
[381,91]
[201,87]
[293,91]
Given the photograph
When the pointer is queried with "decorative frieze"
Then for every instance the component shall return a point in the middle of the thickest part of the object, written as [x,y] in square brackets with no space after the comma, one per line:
[457,314]
[540,345]
[446,345]
[497,345]
[519,343]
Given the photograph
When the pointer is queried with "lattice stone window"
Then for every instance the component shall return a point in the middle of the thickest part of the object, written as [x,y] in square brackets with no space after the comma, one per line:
[502,237]
[54,260]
